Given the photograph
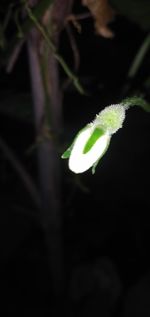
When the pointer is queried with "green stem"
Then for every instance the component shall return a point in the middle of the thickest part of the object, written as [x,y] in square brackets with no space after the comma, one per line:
[136,101]
[17,22]
[27,25]
[139,57]
[61,61]
[38,12]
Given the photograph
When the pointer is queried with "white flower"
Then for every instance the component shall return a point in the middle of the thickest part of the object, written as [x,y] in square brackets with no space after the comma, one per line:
[92,142]
[79,161]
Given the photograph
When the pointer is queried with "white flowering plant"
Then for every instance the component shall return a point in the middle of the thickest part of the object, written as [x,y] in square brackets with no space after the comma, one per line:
[92,142]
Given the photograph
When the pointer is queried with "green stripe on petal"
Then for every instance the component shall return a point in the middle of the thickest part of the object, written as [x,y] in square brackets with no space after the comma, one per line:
[97,133]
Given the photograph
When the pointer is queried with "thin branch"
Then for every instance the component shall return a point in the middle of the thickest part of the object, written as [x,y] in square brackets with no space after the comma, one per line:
[139,57]
[73,47]
[58,57]
[76,55]
[75,18]
[7,16]
[27,24]
[13,57]
[78,17]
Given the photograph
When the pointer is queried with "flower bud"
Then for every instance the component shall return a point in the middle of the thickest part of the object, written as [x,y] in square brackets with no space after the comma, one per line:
[111,118]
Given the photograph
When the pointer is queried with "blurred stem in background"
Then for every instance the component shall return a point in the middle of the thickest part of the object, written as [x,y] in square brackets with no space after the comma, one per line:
[39,25]
[136,64]
[47,102]
[139,57]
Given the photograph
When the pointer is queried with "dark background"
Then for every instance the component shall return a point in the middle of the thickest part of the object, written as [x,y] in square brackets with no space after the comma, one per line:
[105,215]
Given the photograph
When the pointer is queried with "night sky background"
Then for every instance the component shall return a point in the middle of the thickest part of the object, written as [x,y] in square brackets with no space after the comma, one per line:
[106,216]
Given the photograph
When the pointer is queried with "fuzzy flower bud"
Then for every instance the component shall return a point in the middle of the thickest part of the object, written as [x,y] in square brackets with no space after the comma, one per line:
[111,118]
[92,142]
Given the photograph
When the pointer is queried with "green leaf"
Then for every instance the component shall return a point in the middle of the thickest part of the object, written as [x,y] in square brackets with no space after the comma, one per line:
[97,133]
[67,153]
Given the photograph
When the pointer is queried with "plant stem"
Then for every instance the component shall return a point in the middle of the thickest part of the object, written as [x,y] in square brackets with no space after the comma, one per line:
[58,57]
[48,159]
[136,101]
[139,57]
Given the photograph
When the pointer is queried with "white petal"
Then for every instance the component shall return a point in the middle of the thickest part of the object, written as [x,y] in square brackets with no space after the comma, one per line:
[80,162]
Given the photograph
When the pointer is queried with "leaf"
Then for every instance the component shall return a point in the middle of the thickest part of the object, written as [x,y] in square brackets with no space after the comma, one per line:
[97,133]
[67,153]
[137,11]
[103,14]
